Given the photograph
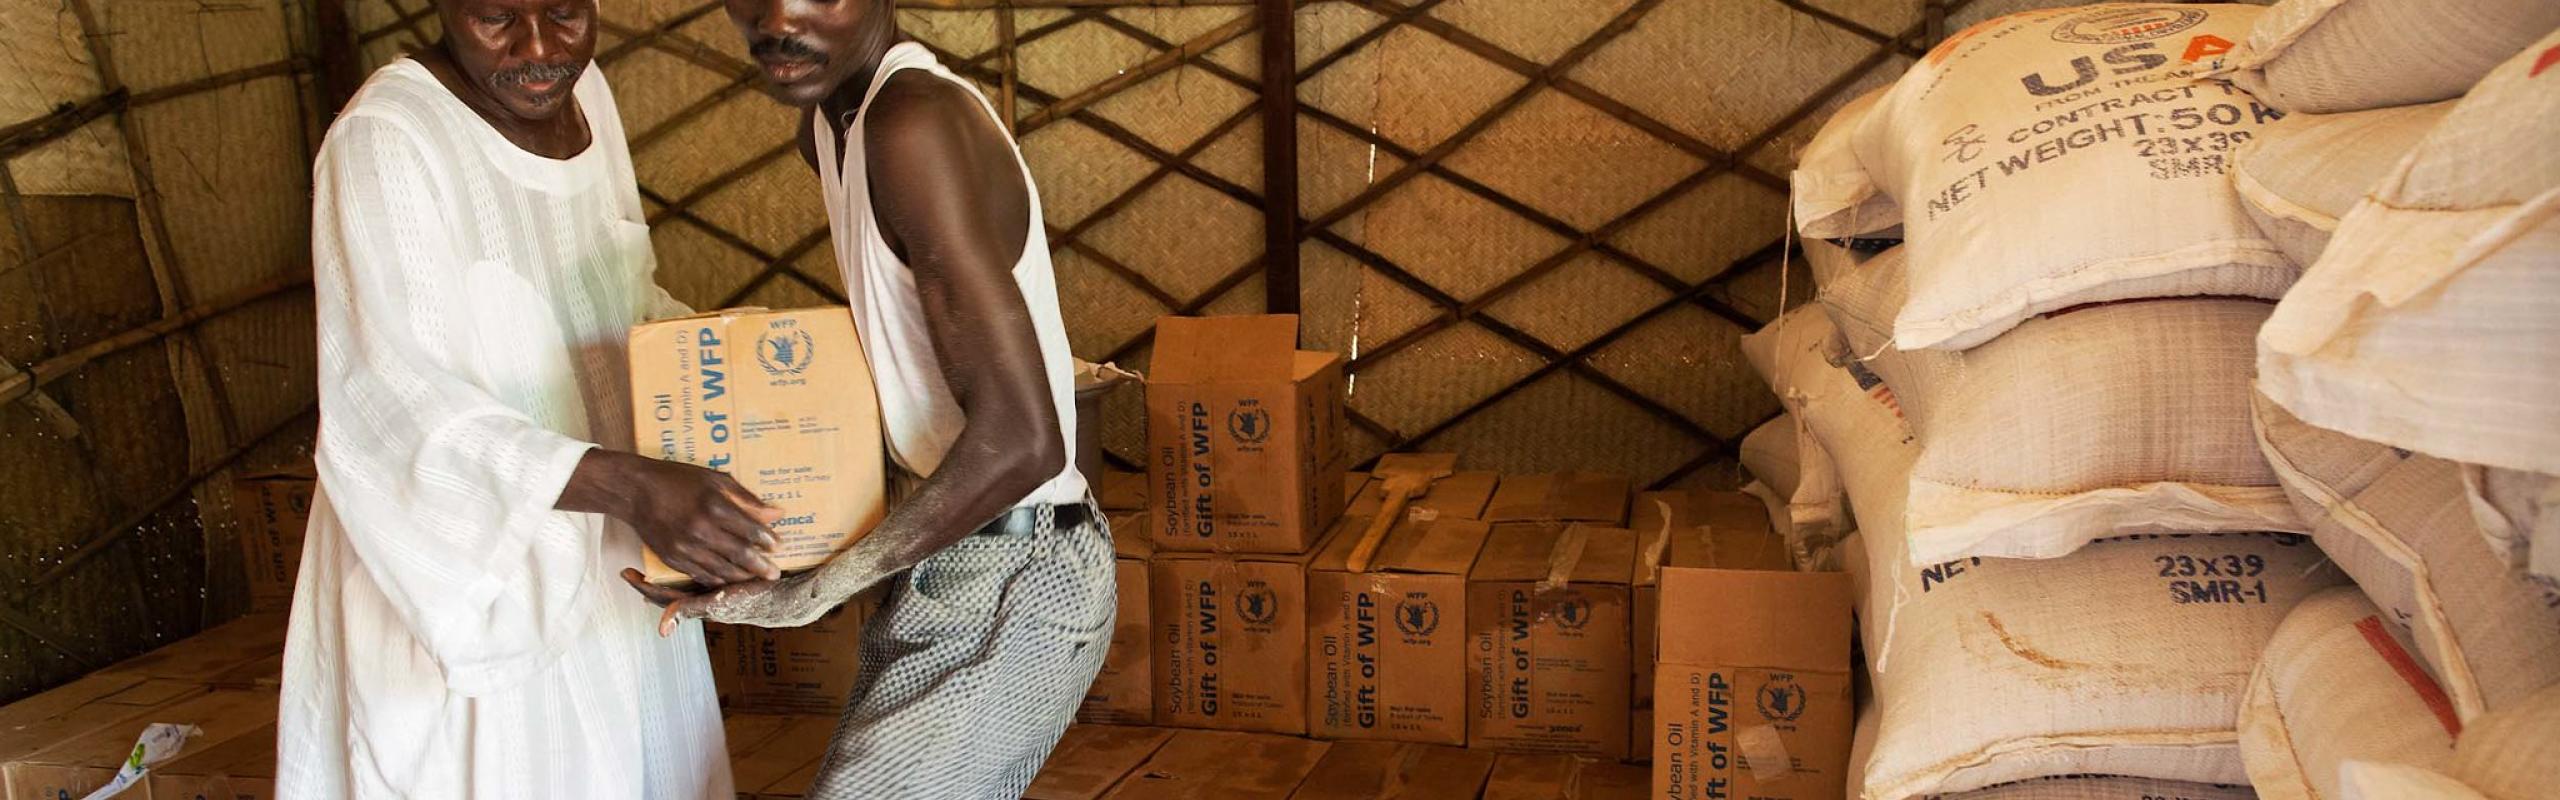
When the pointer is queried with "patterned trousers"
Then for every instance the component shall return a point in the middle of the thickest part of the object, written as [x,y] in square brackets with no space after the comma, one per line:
[974,668]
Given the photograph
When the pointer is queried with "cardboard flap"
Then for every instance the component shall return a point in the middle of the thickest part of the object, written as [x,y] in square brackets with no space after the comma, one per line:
[1235,348]
[1089,759]
[1310,362]
[1462,495]
[1358,770]
[1129,535]
[1753,618]
[1520,776]
[1535,551]
[1224,764]
[1570,496]
[1446,546]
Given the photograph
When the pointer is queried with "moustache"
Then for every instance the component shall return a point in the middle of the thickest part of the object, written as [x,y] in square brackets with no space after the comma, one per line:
[537,73]
[785,48]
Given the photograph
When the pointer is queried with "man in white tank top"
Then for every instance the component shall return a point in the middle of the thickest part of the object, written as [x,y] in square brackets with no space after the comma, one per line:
[1000,580]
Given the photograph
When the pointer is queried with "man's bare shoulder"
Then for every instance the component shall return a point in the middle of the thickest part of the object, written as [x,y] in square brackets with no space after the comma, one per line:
[920,121]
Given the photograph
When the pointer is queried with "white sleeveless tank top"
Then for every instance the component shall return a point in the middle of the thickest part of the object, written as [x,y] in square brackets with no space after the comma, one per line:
[916,408]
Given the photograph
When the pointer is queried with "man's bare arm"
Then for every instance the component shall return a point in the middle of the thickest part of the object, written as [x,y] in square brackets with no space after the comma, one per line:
[951,197]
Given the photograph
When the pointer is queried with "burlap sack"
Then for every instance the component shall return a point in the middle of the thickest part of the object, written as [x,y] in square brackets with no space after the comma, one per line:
[2336,685]
[2401,524]
[1832,198]
[2126,658]
[2503,756]
[2054,158]
[2303,172]
[2428,321]
[2117,419]
[2328,56]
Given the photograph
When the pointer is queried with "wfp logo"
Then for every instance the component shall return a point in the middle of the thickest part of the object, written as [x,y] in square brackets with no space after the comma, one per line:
[1781,700]
[1257,605]
[1249,425]
[785,352]
[1417,618]
[1573,611]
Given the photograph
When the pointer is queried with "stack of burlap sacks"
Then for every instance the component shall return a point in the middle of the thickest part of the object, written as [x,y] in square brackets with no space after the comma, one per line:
[2191,374]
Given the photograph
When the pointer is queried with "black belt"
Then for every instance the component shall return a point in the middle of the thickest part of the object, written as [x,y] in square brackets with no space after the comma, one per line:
[1025,520]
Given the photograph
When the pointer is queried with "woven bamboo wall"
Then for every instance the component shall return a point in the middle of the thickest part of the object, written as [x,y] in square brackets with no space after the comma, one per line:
[153,339]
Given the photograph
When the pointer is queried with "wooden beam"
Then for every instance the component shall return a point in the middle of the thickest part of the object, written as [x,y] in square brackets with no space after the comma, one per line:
[1280,156]
[33,133]
[51,369]
[337,71]
[1009,47]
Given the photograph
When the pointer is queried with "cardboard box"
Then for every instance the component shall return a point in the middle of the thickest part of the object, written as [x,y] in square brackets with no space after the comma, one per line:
[1123,692]
[1090,759]
[1755,667]
[1231,641]
[781,400]
[274,509]
[1387,652]
[1395,770]
[799,744]
[79,765]
[1549,658]
[99,700]
[1725,530]
[263,673]
[1121,491]
[794,786]
[732,649]
[241,769]
[211,652]
[747,733]
[1561,497]
[1244,436]
[1223,765]
[1560,777]
[1462,495]
[803,670]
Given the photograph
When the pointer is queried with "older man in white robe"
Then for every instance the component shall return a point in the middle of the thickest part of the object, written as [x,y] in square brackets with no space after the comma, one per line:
[479,254]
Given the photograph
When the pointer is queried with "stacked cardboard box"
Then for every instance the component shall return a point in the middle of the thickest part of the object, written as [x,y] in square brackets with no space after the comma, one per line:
[1384,770]
[1233,636]
[1090,759]
[243,768]
[274,508]
[1222,764]
[1386,646]
[1246,466]
[1550,659]
[69,741]
[1753,689]
[1124,691]
[803,670]
[86,762]
[784,763]
[1562,777]
[1244,436]
[1726,530]
[1561,497]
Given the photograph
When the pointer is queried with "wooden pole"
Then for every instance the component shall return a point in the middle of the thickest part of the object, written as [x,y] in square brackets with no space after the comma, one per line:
[1279,156]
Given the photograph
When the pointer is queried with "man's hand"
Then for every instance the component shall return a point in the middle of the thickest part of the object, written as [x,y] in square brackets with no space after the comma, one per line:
[784,603]
[697,520]
[791,601]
